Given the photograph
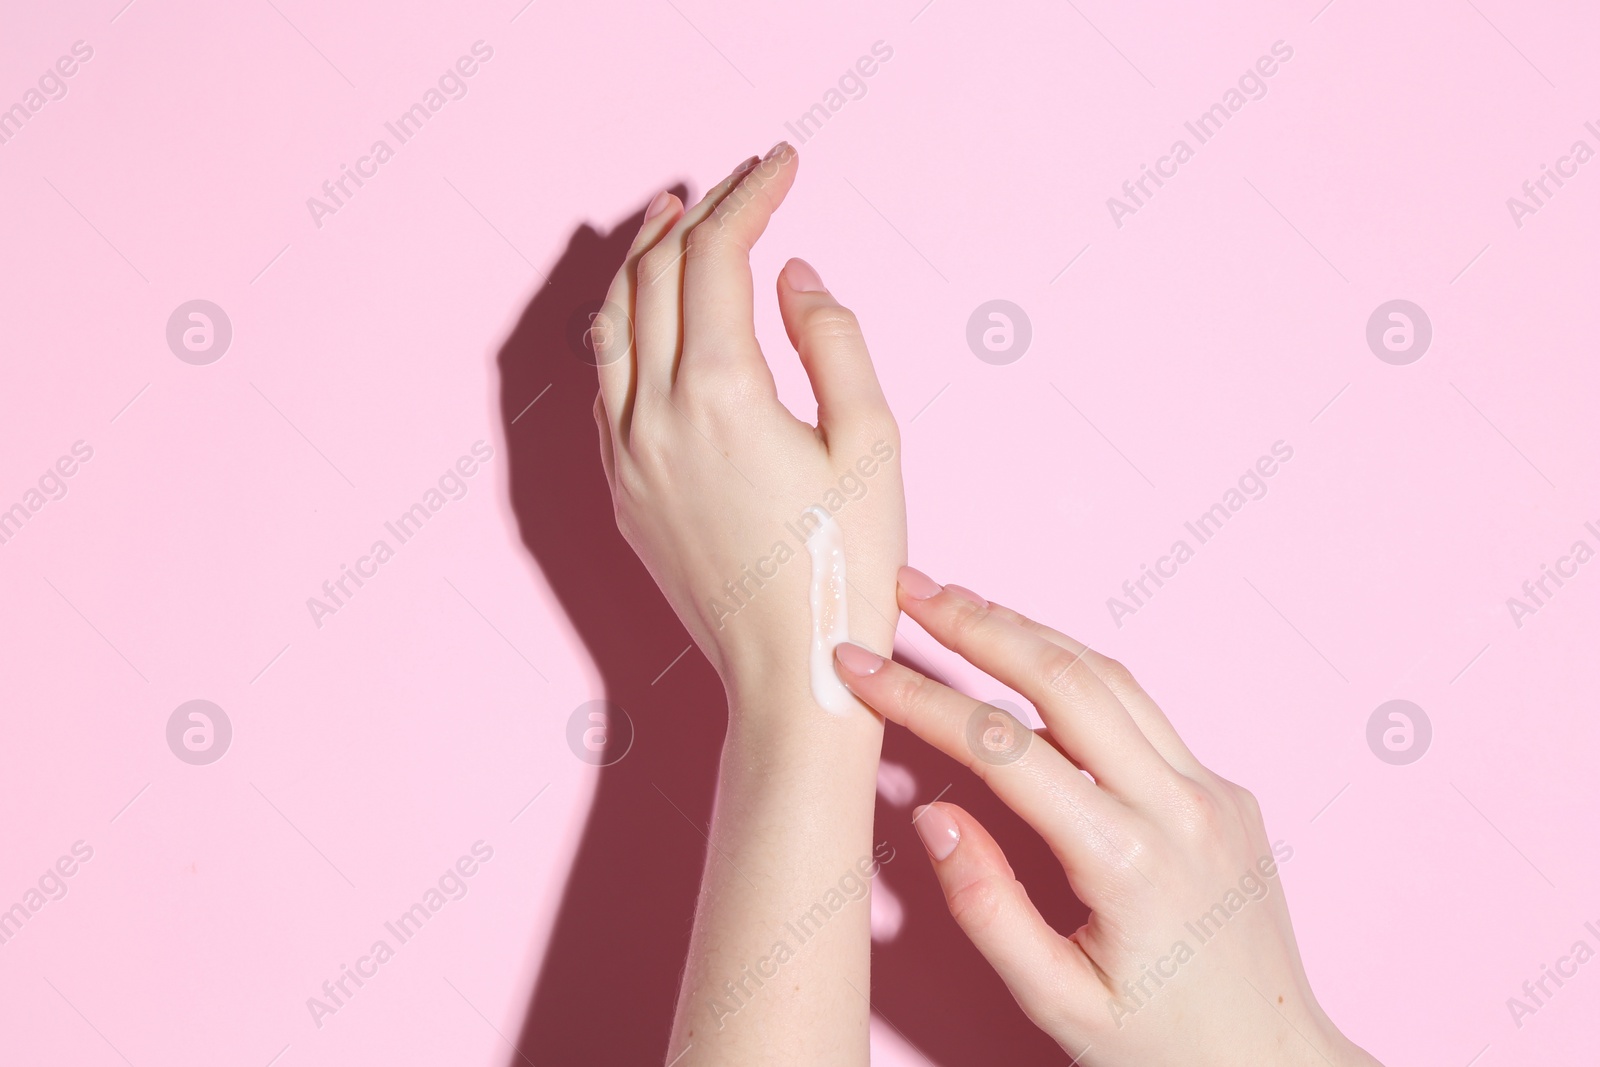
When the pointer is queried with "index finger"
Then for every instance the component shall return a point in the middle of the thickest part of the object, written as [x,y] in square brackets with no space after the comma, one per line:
[1081,711]
[1079,820]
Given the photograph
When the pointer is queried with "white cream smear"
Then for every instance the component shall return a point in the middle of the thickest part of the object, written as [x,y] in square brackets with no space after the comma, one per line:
[830,622]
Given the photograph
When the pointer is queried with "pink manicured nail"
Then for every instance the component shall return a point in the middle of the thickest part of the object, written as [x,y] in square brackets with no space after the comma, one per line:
[658,205]
[803,277]
[939,832]
[857,660]
[776,150]
[918,586]
[966,594]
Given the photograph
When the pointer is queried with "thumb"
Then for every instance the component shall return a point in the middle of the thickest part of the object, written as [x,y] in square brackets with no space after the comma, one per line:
[833,352]
[1040,967]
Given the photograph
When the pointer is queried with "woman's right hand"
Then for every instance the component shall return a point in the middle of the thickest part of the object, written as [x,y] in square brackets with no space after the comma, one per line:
[1188,957]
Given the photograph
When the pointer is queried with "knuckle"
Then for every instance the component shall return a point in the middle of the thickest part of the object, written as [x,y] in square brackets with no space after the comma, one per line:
[978,905]
[736,385]
[1114,673]
[654,264]
[832,321]
[708,239]
[1136,846]
[1065,675]
[916,694]
[610,333]
[722,392]
[1200,812]
[968,620]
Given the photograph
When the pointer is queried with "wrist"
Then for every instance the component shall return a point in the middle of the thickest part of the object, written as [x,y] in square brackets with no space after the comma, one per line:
[794,754]
[777,707]
[773,681]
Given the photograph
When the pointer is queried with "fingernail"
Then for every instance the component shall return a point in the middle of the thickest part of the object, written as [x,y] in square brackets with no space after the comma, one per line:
[658,205]
[803,277]
[939,832]
[918,586]
[744,168]
[776,150]
[857,660]
[966,594]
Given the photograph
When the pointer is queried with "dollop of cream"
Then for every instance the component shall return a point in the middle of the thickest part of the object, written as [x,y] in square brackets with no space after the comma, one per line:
[830,621]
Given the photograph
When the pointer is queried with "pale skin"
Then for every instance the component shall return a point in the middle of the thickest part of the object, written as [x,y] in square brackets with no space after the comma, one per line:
[1164,852]
[706,468]
[708,473]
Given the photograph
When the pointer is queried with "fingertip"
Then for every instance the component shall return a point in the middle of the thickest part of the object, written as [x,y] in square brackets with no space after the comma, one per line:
[992,907]
[659,216]
[765,179]
[802,277]
[777,158]
[918,586]
[939,831]
[662,201]
[856,661]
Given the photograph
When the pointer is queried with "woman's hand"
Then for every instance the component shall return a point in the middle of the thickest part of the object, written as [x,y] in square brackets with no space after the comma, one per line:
[710,474]
[1188,957]
[712,480]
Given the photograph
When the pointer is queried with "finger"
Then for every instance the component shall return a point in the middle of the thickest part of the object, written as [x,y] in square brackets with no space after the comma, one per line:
[1151,720]
[1033,778]
[828,338]
[1082,713]
[658,304]
[611,331]
[719,330]
[1043,969]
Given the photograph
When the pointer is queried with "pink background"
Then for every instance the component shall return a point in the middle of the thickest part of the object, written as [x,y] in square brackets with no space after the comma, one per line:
[369,353]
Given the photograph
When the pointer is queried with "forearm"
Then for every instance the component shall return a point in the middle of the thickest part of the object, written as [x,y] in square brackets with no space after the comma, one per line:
[778,962]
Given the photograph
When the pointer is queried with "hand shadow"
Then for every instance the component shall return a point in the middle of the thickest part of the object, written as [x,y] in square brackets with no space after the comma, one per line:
[608,983]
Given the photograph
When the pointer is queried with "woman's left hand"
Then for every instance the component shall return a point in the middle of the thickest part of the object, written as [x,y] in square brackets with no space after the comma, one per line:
[710,474]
